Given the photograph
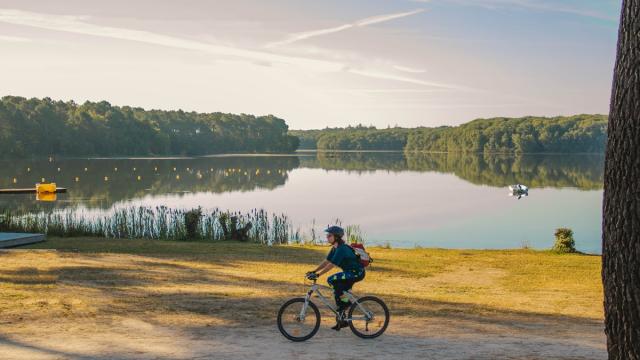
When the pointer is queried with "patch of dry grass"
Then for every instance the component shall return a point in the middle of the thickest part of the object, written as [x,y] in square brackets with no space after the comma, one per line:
[197,284]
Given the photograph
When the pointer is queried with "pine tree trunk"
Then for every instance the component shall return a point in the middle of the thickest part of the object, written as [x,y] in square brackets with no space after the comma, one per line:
[621,222]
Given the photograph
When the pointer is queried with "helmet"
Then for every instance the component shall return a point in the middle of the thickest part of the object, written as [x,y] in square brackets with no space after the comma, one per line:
[335,230]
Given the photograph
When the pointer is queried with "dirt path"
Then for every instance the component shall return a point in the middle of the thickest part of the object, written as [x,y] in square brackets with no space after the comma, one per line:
[131,338]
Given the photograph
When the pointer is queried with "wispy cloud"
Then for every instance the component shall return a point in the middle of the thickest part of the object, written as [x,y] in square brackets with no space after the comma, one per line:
[360,23]
[408,69]
[551,6]
[80,25]
[16,39]
[394,77]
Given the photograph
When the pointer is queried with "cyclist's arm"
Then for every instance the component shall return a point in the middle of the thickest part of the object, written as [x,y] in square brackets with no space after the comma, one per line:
[327,267]
[321,266]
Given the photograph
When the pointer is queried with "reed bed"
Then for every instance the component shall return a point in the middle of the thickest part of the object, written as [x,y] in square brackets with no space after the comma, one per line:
[160,223]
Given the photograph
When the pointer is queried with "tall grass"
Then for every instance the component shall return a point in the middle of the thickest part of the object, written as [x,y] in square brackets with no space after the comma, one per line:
[150,223]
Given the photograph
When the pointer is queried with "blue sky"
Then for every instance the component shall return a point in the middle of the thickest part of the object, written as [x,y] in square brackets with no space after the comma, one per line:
[317,63]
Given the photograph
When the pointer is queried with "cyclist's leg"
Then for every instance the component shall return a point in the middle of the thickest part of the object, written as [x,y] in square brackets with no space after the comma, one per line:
[334,281]
[341,282]
[355,276]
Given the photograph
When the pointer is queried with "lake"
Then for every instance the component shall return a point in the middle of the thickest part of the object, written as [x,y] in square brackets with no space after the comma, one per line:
[428,200]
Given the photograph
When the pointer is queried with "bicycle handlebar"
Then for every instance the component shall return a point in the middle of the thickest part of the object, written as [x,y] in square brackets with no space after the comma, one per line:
[311,276]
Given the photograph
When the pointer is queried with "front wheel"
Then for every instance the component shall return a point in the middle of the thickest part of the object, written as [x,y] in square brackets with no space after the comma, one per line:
[296,322]
[369,317]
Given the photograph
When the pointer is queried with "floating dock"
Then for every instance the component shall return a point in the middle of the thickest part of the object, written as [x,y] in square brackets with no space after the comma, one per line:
[28,191]
[8,240]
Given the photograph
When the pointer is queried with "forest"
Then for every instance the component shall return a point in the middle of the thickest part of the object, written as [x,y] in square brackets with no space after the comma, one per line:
[358,137]
[574,134]
[44,127]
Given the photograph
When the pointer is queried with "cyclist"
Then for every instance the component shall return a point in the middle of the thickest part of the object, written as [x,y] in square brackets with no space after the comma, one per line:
[343,256]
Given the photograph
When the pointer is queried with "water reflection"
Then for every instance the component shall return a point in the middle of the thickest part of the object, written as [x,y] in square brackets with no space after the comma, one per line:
[584,172]
[102,182]
[448,200]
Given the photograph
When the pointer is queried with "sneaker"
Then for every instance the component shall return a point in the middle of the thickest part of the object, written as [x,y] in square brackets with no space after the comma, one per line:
[340,324]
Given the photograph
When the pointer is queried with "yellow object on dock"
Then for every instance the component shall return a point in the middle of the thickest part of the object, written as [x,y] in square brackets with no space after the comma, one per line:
[45,188]
[46,196]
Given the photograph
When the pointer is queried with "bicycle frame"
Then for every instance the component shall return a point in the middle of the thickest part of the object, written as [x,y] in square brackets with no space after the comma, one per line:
[315,289]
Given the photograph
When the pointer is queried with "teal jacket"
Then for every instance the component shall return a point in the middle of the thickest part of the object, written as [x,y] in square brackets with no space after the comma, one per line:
[344,257]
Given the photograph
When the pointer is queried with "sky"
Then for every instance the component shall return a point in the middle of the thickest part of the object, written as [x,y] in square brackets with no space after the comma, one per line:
[317,63]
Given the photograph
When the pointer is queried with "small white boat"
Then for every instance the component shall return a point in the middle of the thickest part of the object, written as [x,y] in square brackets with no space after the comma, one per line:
[518,190]
[518,187]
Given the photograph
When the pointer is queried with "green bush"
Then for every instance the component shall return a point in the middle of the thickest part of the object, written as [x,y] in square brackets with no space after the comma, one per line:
[192,223]
[564,241]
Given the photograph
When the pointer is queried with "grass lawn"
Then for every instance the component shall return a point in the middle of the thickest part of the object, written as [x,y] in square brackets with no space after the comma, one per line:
[206,283]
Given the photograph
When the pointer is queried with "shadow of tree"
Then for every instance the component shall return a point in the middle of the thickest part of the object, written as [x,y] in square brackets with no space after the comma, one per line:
[174,289]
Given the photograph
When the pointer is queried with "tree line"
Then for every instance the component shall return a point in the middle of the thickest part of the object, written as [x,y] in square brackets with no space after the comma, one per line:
[357,137]
[577,134]
[36,127]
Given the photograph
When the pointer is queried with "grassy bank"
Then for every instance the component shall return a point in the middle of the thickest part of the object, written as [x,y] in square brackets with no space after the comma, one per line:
[206,283]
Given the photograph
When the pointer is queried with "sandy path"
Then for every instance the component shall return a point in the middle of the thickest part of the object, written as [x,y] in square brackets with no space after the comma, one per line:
[136,339]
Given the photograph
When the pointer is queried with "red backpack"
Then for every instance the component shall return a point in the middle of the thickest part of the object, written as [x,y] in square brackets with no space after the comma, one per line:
[362,254]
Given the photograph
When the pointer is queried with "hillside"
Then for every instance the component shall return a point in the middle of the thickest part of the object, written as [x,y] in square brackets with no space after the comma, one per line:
[569,134]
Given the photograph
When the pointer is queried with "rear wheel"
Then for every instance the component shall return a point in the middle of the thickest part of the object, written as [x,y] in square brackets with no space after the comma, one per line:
[369,317]
[295,323]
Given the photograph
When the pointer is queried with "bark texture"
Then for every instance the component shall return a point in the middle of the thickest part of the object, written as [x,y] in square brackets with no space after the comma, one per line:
[621,212]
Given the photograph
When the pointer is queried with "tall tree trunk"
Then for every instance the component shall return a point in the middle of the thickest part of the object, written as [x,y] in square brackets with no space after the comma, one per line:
[621,222]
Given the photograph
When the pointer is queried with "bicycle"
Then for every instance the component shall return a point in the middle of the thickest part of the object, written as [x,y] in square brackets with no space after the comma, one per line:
[296,323]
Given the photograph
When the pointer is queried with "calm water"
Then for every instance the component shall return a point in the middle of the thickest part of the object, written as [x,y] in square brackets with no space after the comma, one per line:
[441,200]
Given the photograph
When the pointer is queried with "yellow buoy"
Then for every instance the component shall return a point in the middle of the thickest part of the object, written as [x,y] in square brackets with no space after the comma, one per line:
[46,196]
[45,187]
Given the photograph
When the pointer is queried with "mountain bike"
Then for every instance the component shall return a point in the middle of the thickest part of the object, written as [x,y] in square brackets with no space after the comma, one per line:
[299,318]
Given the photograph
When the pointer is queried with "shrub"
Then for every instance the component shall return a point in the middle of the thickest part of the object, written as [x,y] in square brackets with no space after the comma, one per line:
[192,223]
[564,241]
